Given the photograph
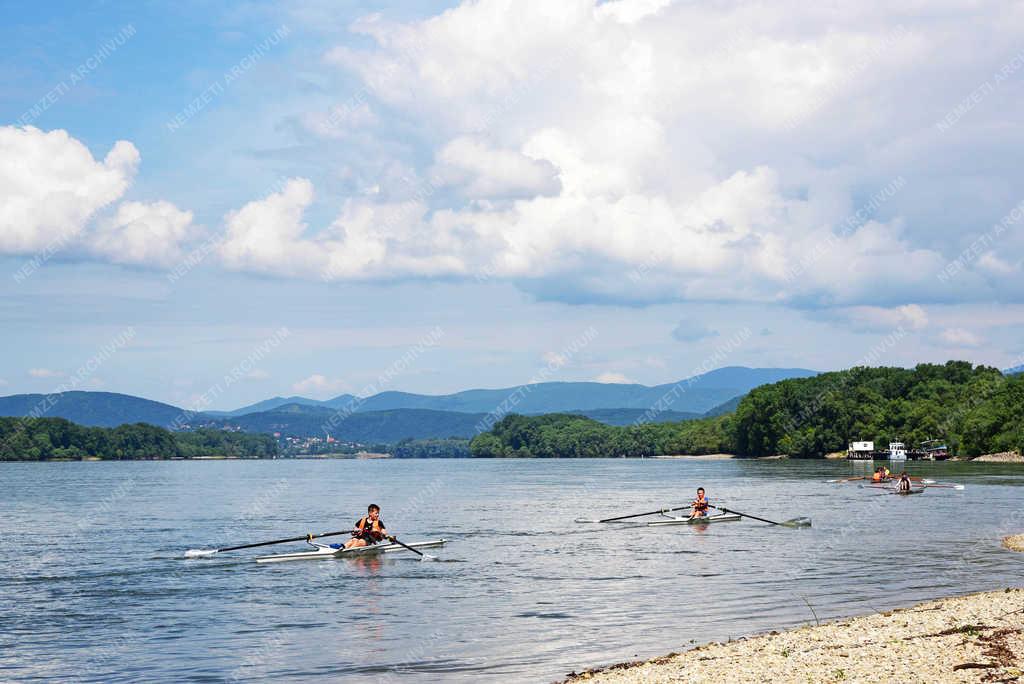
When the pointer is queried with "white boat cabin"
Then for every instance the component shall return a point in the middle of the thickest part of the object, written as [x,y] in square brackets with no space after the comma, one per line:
[860,450]
[897,451]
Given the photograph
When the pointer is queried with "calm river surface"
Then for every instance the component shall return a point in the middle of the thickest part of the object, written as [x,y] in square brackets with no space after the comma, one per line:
[94,586]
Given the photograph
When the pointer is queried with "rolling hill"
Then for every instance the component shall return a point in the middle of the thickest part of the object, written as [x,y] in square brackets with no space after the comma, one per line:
[369,426]
[692,395]
[96,409]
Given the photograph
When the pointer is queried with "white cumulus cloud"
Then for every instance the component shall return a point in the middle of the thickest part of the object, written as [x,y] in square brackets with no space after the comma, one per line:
[319,385]
[51,186]
[143,233]
[959,337]
[484,172]
[614,378]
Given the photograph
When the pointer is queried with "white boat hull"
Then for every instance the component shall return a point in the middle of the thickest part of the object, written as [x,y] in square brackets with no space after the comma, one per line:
[724,517]
[324,551]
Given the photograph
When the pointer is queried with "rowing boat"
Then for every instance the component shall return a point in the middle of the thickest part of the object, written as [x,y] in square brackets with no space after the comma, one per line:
[329,551]
[893,490]
[673,520]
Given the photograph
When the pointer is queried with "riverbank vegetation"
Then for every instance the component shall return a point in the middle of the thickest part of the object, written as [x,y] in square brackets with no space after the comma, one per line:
[974,410]
[41,439]
[560,435]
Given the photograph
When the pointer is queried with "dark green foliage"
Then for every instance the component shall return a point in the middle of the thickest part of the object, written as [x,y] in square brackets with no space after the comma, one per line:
[37,439]
[432,448]
[560,435]
[629,416]
[221,443]
[974,410]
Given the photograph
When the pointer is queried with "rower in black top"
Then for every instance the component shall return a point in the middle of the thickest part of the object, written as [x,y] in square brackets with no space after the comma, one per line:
[700,504]
[369,529]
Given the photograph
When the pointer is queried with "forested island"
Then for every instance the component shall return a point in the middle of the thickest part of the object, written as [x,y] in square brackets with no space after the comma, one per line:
[975,410]
[42,439]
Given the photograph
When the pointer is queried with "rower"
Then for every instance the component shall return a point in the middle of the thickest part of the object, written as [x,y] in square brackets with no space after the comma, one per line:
[369,529]
[700,504]
[904,483]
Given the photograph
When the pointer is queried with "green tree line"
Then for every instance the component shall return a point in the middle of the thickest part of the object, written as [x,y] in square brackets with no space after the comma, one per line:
[39,439]
[560,435]
[453,447]
[973,409]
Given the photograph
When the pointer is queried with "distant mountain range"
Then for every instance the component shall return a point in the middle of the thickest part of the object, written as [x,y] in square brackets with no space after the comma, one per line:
[392,416]
[694,395]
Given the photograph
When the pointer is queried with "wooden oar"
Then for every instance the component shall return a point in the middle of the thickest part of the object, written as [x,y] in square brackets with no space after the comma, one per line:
[196,553]
[634,515]
[845,479]
[794,522]
[423,556]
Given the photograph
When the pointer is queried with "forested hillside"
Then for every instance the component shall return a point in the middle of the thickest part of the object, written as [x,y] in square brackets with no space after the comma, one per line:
[975,410]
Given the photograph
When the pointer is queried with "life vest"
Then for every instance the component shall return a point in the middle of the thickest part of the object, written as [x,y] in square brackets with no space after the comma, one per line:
[877,477]
[700,505]
[369,530]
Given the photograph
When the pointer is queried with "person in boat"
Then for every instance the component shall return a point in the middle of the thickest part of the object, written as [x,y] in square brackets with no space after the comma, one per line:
[700,504]
[369,529]
[903,485]
[881,475]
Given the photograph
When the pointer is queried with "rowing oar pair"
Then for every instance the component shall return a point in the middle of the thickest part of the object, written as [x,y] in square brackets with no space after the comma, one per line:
[794,522]
[201,553]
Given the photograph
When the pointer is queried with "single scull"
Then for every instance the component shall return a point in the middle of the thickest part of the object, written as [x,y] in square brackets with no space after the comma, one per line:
[331,551]
[703,520]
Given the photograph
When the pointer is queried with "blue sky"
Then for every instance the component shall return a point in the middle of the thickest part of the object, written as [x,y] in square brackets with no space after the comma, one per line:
[676,176]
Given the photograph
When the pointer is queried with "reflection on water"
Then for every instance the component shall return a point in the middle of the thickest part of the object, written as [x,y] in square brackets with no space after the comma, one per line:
[93,586]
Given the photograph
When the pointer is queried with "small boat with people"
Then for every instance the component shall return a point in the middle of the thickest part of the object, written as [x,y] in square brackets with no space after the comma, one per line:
[699,515]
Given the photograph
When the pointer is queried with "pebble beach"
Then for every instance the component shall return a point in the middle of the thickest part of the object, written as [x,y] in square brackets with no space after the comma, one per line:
[973,638]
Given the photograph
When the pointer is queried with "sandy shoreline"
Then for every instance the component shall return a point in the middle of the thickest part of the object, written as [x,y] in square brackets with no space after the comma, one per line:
[974,638]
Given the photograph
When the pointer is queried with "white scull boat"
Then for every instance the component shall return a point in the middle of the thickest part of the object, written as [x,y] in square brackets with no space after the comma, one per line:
[673,520]
[328,551]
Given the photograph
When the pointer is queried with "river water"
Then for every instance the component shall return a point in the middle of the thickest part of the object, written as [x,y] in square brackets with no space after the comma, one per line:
[94,586]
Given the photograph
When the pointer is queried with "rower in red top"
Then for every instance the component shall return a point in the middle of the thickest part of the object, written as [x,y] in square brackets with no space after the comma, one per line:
[700,504]
[369,529]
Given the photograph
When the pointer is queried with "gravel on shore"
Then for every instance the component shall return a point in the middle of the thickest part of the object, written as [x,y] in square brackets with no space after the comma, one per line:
[1002,457]
[975,638]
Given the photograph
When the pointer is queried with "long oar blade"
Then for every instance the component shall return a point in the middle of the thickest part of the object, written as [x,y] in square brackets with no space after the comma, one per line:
[200,553]
[794,522]
[423,556]
[798,522]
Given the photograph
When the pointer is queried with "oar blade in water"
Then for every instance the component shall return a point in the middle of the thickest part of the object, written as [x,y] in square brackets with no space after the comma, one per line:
[798,522]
